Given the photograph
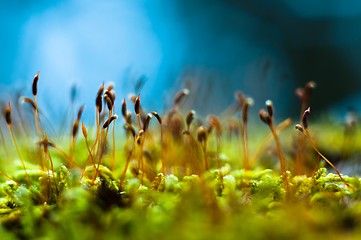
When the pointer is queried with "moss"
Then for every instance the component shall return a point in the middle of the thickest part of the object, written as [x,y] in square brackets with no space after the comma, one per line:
[167,182]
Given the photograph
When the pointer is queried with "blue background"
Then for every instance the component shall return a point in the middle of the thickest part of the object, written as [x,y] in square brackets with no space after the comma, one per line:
[263,48]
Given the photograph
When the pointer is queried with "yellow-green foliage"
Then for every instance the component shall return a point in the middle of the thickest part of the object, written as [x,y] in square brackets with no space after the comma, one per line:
[177,176]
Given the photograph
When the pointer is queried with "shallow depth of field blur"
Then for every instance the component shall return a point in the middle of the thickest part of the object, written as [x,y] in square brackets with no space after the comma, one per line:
[263,49]
[180,118]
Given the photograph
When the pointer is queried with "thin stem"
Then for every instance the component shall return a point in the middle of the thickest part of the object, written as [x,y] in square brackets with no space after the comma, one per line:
[65,156]
[4,142]
[300,156]
[282,159]
[100,155]
[98,131]
[8,177]
[92,159]
[36,123]
[140,159]
[91,155]
[313,144]
[139,124]
[244,137]
[46,150]
[316,167]
[280,127]
[36,117]
[204,147]
[48,170]
[41,160]
[72,150]
[105,141]
[38,127]
[162,150]
[218,146]
[126,165]
[113,147]
[102,143]
[18,152]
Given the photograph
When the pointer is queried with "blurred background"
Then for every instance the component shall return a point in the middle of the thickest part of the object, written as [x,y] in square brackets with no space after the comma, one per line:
[263,48]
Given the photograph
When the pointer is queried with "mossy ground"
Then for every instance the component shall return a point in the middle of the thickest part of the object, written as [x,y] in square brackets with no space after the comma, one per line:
[155,183]
[226,202]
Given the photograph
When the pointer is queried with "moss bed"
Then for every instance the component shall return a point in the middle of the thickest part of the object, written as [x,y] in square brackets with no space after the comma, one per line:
[181,178]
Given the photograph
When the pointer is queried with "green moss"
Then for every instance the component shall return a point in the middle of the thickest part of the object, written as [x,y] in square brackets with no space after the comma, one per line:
[158,186]
[211,207]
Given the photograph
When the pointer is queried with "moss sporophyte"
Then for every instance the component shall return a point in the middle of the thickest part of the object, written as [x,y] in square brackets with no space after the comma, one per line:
[144,179]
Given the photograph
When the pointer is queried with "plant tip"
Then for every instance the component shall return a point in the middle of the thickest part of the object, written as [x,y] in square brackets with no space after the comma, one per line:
[265,117]
[141,132]
[124,109]
[110,120]
[190,118]
[83,129]
[30,101]
[180,95]
[8,114]
[80,112]
[305,116]
[239,96]
[250,101]
[201,134]
[130,128]
[310,86]
[147,121]
[98,99]
[137,105]
[156,115]
[299,127]
[269,106]
[35,84]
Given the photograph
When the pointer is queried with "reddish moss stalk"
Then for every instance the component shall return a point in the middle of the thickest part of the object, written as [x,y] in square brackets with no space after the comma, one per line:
[304,129]
[282,159]
[9,124]
[268,119]
[313,144]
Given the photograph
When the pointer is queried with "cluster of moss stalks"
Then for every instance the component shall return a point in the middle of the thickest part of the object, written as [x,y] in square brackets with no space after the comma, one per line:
[179,177]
